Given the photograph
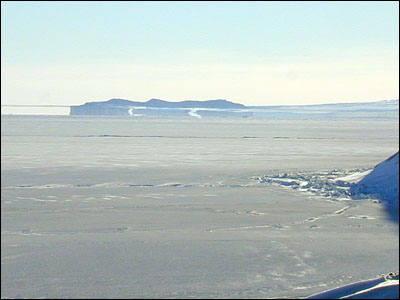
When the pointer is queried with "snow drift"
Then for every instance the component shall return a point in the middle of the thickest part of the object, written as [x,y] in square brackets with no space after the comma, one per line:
[382,181]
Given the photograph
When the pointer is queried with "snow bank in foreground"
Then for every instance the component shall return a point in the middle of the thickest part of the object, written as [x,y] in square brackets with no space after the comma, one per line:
[385,287]
[383,181]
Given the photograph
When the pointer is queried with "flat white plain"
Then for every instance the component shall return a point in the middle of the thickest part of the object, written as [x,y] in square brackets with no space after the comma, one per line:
[170,208]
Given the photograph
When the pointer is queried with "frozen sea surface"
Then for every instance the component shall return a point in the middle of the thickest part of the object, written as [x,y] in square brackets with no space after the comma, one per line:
[175,208]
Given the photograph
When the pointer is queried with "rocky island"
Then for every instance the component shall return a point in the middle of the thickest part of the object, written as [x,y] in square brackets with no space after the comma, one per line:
[157,107]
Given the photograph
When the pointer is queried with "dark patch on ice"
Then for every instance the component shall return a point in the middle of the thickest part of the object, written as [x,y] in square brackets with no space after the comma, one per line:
[83,185]
[159,136]
[311,219]
[171,184]
[125,184]
[392,211]
[108,135]
[316,138]
[55,232]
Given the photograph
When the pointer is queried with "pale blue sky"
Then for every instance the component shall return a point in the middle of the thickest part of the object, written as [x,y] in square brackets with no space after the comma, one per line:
[255,53]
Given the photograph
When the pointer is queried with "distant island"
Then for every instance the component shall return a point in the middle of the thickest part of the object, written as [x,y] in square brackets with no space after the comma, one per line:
[157,107]
[223,108]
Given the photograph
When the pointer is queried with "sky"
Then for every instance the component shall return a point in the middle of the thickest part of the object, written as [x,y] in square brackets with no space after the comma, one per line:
[254,53]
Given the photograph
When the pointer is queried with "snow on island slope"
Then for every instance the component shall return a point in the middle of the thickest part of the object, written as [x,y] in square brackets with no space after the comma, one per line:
[382,181]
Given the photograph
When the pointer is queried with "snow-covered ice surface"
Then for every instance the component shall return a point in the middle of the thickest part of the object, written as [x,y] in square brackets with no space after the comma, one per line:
[190,208]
